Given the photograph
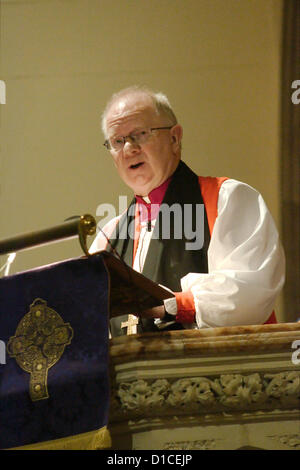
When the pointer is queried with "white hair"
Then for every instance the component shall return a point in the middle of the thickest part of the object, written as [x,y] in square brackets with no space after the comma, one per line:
[160,102]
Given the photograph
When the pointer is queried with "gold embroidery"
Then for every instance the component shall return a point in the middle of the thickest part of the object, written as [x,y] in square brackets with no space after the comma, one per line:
[93,440]
[38,344]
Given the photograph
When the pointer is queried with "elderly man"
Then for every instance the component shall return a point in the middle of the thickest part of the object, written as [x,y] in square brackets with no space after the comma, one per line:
[233,276]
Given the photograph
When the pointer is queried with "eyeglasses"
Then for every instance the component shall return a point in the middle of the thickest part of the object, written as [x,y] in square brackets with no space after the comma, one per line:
[138,137]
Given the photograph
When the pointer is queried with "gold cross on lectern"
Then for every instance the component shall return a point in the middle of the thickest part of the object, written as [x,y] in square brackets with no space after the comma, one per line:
[130,324]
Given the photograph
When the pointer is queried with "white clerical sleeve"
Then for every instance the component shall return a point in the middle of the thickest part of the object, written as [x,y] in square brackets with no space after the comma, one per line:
[246,264]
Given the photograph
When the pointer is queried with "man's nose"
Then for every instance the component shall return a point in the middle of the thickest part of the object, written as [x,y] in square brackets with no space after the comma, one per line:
[130,147]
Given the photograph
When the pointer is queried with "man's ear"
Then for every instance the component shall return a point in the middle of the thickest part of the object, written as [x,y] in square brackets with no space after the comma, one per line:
[176,135]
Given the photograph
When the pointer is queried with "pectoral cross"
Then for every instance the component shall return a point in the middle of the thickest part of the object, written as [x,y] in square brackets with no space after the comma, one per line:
[130,324]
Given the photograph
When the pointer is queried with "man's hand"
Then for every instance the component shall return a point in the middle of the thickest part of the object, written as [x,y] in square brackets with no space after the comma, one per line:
[154,312]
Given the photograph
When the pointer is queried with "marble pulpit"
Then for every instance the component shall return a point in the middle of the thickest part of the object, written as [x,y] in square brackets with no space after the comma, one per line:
[217,389]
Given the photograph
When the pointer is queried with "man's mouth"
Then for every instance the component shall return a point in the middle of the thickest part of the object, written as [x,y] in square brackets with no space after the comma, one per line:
[136,165]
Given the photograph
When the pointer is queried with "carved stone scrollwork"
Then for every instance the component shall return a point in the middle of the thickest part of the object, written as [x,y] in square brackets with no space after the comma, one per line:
[141,395]
[230,391]
[203,444]
[197,391]
[289,440]
[284,386]
[240,391]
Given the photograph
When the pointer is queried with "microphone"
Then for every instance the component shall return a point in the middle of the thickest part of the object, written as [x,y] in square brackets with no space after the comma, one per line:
[10,259]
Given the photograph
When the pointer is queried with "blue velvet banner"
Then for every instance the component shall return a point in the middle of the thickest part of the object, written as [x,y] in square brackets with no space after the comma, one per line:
[67,323]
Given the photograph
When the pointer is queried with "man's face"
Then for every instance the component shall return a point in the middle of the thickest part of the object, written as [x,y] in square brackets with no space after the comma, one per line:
[146,166]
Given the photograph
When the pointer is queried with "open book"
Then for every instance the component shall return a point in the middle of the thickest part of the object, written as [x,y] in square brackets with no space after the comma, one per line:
[130,291]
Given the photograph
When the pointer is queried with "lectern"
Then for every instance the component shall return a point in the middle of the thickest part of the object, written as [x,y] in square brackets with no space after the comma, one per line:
[54,321]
